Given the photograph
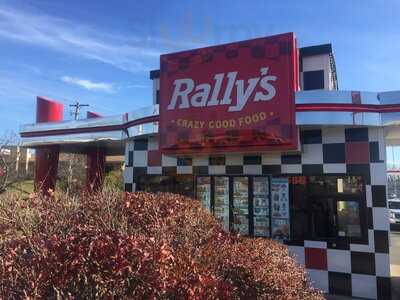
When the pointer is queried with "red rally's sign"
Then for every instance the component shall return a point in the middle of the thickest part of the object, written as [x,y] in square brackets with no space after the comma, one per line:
[232,97]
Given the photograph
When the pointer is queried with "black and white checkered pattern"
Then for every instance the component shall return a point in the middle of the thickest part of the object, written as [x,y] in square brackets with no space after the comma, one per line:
[359,270]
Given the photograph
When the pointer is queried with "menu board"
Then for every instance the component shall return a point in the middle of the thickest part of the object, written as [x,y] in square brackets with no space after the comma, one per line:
[280,208]
[271,213]
[221,200]
[204,191]
[241,205]
[261,206]
[280,197]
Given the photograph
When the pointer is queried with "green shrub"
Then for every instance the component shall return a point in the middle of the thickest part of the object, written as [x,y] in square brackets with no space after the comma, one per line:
[114,180]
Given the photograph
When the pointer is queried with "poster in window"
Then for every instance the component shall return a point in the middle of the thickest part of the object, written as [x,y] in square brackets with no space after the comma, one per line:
[348,213]
[280,229]
[240,205]
[204,191]
[280,197]
[261,206]
[221,201]
[280,208]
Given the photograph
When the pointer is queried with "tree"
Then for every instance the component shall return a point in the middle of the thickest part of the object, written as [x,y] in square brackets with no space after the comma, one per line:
[3,173]
[16,163]
[11,170]
[71,174]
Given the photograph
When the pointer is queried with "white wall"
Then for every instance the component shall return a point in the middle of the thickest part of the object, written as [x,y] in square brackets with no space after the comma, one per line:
[315,63]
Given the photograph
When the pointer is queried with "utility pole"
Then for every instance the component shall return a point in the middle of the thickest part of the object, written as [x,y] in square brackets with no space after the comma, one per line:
[78,107]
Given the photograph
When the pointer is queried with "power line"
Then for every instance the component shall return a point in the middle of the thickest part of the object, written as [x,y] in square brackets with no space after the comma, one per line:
[78,107]
[67,101]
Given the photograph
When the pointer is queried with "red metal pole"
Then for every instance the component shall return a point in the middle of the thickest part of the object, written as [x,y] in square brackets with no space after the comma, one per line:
[47,157]
[95,163]
[92,114]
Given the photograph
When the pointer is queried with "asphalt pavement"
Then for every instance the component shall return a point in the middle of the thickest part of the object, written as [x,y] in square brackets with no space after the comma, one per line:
[395,248]
[395,263]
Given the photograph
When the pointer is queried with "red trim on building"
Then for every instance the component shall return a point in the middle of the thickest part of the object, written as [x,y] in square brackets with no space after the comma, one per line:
[154,158]
[316,258]
[356,108]
[47,158]
[92,114]
[89,129]
[374,108]
[48,110]
[357,152]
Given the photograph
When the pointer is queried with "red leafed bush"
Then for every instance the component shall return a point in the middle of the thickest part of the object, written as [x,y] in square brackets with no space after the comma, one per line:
[136,246]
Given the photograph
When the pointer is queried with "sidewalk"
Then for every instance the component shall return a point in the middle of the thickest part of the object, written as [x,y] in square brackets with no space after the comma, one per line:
[334,297]
[395,273]
[395,263]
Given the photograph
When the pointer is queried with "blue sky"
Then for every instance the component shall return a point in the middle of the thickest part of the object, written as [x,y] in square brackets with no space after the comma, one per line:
[100,52]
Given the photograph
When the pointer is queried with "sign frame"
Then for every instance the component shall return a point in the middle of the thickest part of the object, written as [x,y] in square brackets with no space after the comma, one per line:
[241,121]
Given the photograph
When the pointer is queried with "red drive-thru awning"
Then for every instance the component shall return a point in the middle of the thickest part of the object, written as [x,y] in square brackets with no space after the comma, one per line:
[47,155]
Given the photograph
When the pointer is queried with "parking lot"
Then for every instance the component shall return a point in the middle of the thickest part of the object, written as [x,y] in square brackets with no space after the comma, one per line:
[395,248]
[395,262]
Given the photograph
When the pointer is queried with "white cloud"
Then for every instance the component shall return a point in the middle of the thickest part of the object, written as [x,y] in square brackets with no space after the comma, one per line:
[128,52]
[89,85]
[122,52]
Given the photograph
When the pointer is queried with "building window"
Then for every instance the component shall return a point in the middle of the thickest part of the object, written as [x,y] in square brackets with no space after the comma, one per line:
[177,184]
[242,204]
[158,97]
[313,80]
[328,207]
[216,160]
[285,208]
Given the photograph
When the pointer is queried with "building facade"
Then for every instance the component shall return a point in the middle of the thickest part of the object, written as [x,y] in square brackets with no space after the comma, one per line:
[320,189]
[354,265]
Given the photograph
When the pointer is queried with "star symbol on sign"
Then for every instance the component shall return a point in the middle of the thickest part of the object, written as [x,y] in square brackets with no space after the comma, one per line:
[264,71]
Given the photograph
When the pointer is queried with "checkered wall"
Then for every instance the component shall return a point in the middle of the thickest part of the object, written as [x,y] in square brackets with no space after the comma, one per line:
[358,270]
